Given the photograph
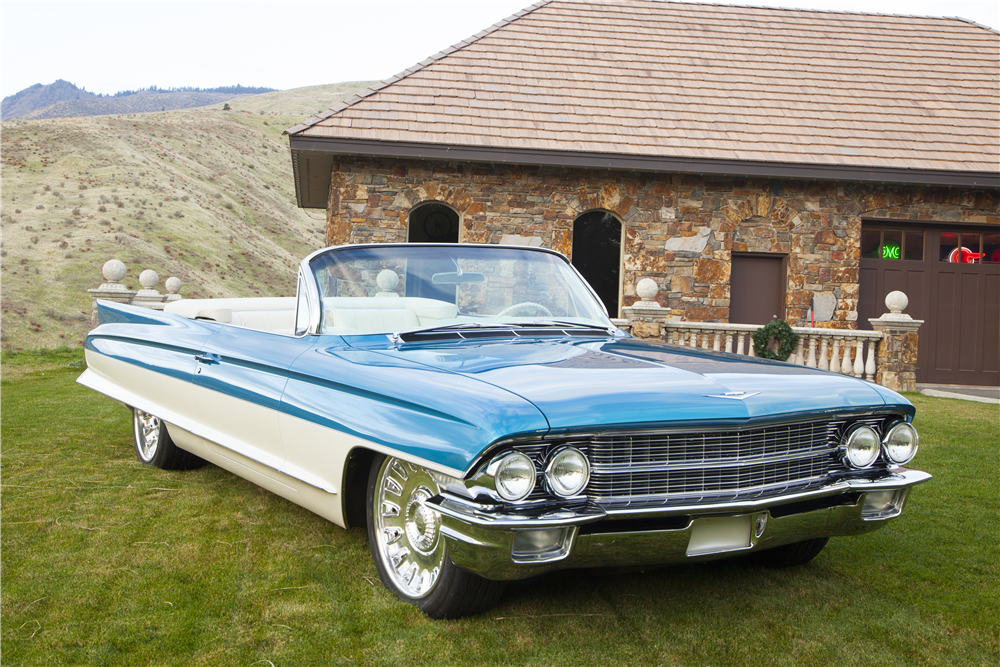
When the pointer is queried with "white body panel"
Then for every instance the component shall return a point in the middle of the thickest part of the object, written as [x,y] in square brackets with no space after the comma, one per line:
[310,475]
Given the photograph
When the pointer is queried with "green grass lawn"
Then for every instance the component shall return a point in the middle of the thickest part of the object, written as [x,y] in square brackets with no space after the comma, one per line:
[107,562]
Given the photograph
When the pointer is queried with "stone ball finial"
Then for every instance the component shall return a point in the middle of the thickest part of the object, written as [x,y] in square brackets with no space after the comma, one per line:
[387,280]
[896,302]
[173,285]
[647,289]
[149,279]
[114,270]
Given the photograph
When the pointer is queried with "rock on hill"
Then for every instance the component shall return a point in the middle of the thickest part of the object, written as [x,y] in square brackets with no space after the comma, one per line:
[202,194]
[38,96]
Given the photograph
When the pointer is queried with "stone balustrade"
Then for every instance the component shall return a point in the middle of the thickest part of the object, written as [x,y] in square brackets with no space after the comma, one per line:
[112,289]
[886,355]
[842,350]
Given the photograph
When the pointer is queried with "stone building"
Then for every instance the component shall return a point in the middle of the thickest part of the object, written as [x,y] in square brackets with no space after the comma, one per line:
[753,162]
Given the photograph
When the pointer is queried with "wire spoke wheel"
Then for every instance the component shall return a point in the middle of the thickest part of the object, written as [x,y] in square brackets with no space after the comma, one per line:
[154,447]
[408,532]
[147,435]
[410,552]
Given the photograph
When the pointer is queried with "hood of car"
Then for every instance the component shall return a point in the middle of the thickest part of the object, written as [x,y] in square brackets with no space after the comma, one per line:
[590,383]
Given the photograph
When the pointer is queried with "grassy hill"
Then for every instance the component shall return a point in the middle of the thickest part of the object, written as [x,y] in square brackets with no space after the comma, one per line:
[42,95]
[202,194]
[139,103]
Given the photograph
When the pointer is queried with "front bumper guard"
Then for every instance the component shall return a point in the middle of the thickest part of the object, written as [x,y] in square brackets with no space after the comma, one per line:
[505,545]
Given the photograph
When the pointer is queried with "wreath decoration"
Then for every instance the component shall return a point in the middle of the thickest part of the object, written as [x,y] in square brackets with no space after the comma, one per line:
[781,333]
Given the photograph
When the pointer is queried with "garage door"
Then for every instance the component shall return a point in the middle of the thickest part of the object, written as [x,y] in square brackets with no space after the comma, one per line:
[952,278]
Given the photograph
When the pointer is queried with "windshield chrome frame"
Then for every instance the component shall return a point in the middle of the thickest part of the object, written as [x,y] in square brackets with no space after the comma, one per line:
[307,281]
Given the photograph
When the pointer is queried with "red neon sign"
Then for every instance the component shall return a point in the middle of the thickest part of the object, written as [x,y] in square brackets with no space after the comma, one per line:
[966,256]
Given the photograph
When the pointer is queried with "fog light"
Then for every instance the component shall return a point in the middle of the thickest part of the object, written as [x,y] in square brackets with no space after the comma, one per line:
[883,504]
[860,448]
[900,444]
[548,544]
[513,476]
[568,472]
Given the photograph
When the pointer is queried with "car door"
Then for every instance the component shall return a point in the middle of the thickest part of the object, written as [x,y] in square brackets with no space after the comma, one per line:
[242,374]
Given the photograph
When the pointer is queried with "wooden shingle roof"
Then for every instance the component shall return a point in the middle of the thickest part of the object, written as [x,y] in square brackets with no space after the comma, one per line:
[641,83]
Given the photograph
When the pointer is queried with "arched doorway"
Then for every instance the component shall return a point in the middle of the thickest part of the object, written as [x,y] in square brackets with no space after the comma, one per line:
[597,255]
[433,222]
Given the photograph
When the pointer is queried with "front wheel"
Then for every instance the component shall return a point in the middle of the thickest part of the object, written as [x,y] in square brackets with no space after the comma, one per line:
[410,554]
[153,445]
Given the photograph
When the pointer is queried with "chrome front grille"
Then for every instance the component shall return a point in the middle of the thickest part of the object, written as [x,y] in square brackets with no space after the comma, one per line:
[657,468]
[644,469]
[618,451]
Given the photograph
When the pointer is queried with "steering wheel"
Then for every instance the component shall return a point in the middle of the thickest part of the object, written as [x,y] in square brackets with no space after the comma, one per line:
[525,304]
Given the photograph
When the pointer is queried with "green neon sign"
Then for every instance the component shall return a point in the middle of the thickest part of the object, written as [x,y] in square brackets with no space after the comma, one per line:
[890,250]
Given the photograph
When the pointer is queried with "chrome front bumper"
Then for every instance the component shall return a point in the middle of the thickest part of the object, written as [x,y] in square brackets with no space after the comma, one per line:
[513,546]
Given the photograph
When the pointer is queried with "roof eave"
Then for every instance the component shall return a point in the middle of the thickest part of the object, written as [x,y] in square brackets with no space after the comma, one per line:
[315,147]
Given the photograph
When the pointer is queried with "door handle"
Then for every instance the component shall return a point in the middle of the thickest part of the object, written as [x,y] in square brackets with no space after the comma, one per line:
[208,358]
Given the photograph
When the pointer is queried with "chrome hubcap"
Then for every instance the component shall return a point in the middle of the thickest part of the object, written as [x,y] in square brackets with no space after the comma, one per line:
[147,434]
[408,531]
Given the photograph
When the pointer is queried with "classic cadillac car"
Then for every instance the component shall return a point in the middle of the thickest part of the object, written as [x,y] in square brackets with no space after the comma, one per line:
[474,407]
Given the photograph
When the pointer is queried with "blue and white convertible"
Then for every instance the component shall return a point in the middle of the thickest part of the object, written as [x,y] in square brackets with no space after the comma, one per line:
[476,409]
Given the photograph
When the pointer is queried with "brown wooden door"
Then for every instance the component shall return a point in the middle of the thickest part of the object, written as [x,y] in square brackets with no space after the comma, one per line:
[959,303]
[756,288]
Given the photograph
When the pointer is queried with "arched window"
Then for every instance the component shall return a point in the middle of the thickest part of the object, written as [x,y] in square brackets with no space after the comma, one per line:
[597,255]
[433,222]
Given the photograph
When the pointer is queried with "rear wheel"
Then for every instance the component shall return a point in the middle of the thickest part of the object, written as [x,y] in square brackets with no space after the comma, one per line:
[410,554]
[798,553]
[153,445]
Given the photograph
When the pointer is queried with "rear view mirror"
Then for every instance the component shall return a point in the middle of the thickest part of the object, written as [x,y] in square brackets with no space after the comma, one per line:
[456,278]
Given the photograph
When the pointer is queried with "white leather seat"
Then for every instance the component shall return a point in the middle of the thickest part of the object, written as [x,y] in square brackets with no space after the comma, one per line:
[370,320]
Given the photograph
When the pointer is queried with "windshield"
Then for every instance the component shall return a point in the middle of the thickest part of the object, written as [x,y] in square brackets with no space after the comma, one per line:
[393,288]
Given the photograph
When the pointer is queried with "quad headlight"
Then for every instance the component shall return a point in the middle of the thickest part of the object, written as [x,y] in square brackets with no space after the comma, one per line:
[900,443]
[513,476]
[860,447]
[568,472]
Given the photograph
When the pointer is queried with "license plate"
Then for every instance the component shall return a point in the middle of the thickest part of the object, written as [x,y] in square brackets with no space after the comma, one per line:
[719,534]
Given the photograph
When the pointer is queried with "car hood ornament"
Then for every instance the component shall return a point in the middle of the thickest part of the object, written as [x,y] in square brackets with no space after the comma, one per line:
[735,395]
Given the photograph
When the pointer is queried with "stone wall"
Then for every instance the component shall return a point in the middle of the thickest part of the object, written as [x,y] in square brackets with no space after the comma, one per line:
[680,229]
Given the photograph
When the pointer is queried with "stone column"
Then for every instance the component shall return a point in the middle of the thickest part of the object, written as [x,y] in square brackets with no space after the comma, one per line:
[173,286]
[148,297]
[646,315]
[112,289]
[897,351]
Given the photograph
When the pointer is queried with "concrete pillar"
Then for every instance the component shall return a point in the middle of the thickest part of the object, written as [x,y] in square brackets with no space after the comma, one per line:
[646,316]
[148,296]
[897,351]
[112,289]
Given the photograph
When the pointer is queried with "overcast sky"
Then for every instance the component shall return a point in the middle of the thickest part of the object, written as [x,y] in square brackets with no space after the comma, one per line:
[106,47]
